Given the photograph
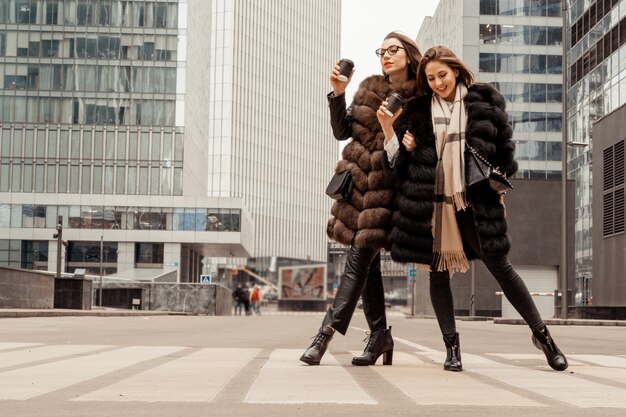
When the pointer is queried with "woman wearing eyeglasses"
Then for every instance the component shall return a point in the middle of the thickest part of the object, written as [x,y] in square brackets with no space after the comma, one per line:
[363,220]
[440,224]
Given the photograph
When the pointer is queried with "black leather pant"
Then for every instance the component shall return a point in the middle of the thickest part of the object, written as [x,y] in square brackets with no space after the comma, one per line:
[361,277]
[511,283]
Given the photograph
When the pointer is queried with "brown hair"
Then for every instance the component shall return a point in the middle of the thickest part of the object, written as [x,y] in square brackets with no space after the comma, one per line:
[445,55]
[412,52]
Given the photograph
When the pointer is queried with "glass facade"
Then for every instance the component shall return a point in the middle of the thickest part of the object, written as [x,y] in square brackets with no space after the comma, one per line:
[597,86]
[88,97]
[27,216]
[524,62]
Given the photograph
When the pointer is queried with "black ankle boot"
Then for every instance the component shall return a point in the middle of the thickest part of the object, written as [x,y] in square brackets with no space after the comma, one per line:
[313,355]
[453,354]
[379,343]
[543,341]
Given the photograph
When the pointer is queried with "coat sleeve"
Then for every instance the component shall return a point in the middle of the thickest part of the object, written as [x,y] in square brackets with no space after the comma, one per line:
[340,117]
[398,169]
[505,146]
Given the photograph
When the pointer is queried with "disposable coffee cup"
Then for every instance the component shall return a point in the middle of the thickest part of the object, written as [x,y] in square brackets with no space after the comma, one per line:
[345,69]
[395,102]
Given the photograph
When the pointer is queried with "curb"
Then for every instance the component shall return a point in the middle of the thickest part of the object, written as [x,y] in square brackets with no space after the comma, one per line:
[568,322]
[87,313]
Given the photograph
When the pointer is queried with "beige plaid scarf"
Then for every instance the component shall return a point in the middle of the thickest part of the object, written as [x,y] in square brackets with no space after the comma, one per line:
[449,127]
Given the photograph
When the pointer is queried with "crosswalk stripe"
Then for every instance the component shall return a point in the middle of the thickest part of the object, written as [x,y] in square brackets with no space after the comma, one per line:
[42,353]
[197,377]
[401,340]
[604,360]
[285,380]
[24,383]
[538,357]
[428,384]
[9,345]
[560,386]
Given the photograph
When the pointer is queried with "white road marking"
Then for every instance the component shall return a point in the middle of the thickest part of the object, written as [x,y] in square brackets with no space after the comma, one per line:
[286,380]
[428,384]
[9,345]
[198,377]
[24,383]
[42,353]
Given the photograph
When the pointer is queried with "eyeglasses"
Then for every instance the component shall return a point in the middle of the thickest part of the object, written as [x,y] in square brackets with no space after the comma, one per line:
[393,49]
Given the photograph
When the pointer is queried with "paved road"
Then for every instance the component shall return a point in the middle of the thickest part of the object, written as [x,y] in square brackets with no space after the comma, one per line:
[248,366]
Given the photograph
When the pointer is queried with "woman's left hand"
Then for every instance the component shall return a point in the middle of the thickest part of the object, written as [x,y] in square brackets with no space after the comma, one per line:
[386,121]
[503,205]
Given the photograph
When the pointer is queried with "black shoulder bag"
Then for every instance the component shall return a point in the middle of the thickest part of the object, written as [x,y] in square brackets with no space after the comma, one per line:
[478,170]
[340,186]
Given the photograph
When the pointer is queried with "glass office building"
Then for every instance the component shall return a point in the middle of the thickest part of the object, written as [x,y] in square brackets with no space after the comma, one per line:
[516,45]
[157,126]
[95,128]
[596,87]
[269,138]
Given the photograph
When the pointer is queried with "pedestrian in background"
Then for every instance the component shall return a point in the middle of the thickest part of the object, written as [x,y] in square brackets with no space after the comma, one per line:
[255,300]
[439,223]
[245,299]
[363,219]
[238,296]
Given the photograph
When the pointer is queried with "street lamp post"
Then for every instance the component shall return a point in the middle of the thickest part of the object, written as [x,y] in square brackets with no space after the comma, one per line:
[564,251]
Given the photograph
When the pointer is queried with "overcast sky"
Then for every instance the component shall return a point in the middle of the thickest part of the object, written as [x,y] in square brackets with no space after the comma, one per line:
[364,24]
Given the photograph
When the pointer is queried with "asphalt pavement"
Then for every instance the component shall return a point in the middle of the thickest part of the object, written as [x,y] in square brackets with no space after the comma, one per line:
[179,365]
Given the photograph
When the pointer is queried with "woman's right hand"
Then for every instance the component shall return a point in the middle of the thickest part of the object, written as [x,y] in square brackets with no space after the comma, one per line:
[339,87]
[409,142]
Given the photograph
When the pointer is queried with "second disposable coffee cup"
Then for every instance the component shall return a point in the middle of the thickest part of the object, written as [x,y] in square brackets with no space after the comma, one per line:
[395,102]
[345,69]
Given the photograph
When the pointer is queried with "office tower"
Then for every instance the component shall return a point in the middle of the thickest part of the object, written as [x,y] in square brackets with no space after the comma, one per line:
[269,136]
[596,87]
[516,46]
[119,117]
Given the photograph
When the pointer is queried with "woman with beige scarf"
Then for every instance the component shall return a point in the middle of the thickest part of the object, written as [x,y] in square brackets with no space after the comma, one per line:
[439,224]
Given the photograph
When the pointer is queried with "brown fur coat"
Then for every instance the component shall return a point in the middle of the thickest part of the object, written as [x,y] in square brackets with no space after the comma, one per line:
[364,219]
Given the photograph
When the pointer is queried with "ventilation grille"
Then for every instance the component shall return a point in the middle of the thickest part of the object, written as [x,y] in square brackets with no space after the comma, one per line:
[613,193]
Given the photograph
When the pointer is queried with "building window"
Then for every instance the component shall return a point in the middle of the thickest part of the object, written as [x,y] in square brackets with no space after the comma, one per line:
[149,255]
[87,255]
[52,12]
[26,12]
[34,255]
[85,13]
[10,253]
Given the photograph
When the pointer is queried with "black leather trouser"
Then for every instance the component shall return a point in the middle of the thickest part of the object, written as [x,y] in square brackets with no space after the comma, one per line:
[511,283]
[361,277]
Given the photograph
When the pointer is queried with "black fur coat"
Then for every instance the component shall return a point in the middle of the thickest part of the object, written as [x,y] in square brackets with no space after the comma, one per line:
[364,219]
[489,132]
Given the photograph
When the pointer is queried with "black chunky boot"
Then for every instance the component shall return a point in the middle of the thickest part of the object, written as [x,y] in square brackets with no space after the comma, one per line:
[313,355]
[379,343]
[453,354]
[543,341]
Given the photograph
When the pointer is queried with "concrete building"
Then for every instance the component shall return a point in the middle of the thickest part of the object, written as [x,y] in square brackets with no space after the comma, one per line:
[516,45]
[171,130]
[596,87]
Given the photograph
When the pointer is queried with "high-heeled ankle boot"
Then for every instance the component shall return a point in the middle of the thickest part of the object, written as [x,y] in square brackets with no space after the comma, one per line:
[379,343]
[453,354]
[544,342]
[313,355]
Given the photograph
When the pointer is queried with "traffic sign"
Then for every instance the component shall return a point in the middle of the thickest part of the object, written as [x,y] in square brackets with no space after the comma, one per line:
[206,279]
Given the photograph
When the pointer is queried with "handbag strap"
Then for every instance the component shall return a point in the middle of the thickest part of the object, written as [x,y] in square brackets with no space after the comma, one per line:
[482,158]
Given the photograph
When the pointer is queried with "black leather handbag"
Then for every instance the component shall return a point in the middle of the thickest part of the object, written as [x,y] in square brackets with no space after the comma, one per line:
[478,171]
[340,186]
